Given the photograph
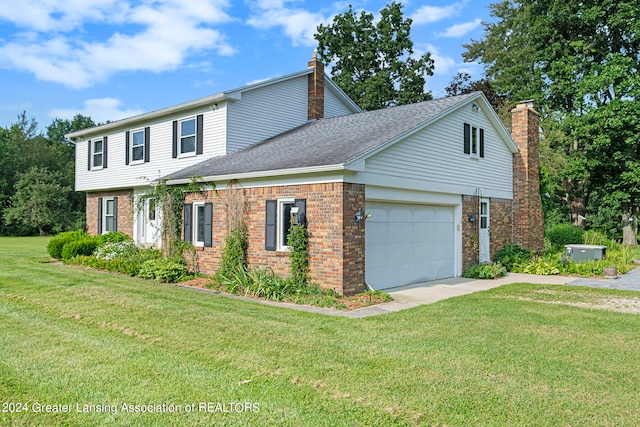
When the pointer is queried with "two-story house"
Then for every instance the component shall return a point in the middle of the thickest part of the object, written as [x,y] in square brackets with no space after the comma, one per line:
[390,197]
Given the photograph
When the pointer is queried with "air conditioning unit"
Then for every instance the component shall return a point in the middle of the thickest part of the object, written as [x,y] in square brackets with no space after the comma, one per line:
[581,253]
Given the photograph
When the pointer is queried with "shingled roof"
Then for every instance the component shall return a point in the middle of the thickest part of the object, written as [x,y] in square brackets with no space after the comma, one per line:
[324,142]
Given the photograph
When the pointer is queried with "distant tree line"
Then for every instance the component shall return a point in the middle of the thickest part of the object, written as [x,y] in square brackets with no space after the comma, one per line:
[37,176]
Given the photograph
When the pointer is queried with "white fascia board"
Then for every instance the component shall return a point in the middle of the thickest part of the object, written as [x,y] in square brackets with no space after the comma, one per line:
[261,174]
[145,117]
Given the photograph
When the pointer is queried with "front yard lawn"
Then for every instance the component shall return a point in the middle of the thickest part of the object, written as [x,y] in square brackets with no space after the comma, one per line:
[95,341]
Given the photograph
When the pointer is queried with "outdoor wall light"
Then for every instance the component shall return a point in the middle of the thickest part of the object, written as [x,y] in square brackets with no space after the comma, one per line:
[360,216]
[472,217]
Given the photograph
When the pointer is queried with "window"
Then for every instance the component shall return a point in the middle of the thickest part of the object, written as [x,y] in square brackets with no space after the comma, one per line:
[137,145]
[107,214]
[188,136]
[152,210]
[484,215]
[473,141]
[97,153]
[278,221]
[198,219]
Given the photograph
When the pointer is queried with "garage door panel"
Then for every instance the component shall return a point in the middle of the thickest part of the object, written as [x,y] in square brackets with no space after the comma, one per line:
[408,243]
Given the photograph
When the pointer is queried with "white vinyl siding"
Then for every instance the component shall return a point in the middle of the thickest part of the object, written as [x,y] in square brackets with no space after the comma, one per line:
[333,106]
[266,111]
[119,175]
[434,158]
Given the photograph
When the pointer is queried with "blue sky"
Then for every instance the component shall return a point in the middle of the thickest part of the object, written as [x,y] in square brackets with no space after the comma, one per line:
[111,59]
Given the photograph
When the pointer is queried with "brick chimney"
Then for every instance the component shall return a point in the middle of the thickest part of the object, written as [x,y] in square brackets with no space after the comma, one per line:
[316,88]
[528,218]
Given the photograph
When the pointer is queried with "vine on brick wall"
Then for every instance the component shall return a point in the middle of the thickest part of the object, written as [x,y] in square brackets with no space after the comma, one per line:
[298,241]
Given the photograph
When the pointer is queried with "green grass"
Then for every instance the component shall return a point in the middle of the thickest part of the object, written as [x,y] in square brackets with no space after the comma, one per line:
[500,357]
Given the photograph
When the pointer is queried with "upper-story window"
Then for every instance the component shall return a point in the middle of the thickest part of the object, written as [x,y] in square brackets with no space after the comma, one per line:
[473,141]
[97,150]
[188,136]
[97,153]
[137,145]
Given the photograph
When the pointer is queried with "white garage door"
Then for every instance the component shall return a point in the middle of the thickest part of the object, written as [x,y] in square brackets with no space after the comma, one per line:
[408,243]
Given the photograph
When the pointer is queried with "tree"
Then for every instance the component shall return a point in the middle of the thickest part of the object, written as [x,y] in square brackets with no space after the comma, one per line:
[40,201]
[579,60]
[374,62]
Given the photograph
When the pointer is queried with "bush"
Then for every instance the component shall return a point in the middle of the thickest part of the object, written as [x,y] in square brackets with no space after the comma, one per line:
[114,250]
[485,271]
[564,234]
[512,254]
[298,253]
[541,265]
[57,242]
[165,270]
[234,257]
[112,237]
[129,264]
[84,246]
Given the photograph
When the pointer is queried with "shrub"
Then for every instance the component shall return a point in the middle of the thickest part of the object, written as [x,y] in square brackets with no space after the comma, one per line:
[130,264]
[512,254]
[112,237]
[55,245]
[234,257]
[114,250]
[165,270]
[541,265]
[564,234]
[485,271]
[298,253]
[84,246]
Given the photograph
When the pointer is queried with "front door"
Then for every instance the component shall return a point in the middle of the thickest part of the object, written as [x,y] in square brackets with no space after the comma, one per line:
[485,236]
[148,224]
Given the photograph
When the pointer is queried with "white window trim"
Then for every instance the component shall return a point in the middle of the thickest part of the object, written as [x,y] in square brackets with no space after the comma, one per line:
[137,162]
[93,153]
[475,142]
[194,224]
[195,137]
[280,233]
[105,215]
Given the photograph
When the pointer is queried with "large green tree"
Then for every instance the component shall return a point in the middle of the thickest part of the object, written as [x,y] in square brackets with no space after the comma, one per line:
[373,60]
[579,60]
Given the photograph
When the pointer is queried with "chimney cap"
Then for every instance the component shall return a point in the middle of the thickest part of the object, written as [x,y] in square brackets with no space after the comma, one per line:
[528,103]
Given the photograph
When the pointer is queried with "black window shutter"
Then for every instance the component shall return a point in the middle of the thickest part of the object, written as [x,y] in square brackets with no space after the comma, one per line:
[115,214]
[104,152]
[147,143]
[467,138]
[127,147]
[270,237]
[99,215]
[199,134]
[481,142]
[301,204]
[175,139]
[208,220]
[187,215]
[89,151]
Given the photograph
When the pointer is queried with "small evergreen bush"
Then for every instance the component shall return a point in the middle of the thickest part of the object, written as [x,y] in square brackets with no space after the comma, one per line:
[84,246]
[298,253]
[234,256]
[112,237]
[55,245]
[564,234]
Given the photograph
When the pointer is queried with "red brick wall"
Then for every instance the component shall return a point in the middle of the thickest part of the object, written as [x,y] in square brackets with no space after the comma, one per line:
[336,244]
[528,218]
[125,210]
[500,227]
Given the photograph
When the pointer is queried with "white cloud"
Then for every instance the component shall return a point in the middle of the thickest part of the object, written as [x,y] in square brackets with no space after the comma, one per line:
[100,110]
[429,14]
[298,24]
[460,30]
[150,37]
[442,65]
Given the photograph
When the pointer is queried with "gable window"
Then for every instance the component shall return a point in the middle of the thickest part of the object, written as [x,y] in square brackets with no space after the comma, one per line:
[97,151]
[198,219]
[473,141]
[107,214]
[279,216]
[188,136]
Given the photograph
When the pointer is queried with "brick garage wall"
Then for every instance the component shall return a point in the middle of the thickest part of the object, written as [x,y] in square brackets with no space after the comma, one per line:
[125,210]
[336,244]
[500,227]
